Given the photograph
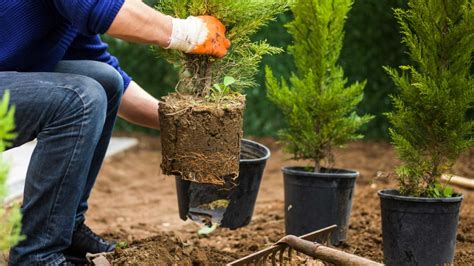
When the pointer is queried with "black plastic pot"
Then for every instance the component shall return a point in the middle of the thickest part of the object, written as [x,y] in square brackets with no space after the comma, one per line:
[317,200]
[418,231]
[241,196]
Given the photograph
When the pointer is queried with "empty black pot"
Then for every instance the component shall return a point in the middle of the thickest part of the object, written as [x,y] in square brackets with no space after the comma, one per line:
[317,200]
[241,197]
[418,231]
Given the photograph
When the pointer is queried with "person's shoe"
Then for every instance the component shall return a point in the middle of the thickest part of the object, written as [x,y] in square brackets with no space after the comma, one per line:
[85,241]
[74,263]
[67,263]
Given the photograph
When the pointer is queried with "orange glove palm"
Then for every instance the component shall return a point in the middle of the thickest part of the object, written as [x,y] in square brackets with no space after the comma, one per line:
[216,43]
[199,35]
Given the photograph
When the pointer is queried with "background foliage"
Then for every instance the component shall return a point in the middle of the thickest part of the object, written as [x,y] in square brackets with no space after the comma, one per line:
[372,41]
[10,220]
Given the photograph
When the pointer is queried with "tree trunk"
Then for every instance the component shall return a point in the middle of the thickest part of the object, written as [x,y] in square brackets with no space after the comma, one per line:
[317,166]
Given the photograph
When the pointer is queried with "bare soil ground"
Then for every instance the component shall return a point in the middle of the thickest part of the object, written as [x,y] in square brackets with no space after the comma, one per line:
[134,203]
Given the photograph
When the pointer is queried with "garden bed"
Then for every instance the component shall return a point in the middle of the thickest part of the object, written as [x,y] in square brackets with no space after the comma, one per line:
[167,248]
[134,202]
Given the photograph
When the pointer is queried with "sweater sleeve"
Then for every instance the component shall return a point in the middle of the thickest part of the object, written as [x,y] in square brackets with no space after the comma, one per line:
[89,16]
[91,47]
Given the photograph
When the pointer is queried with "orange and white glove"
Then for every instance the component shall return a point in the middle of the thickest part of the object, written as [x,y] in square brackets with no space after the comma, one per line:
[199,35]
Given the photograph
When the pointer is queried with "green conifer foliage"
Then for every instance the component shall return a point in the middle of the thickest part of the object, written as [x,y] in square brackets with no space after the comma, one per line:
[317,102]
[242,19]
[10,227]
[430,128]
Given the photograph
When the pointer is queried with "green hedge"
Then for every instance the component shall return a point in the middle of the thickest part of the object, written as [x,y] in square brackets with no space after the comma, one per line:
[372,41]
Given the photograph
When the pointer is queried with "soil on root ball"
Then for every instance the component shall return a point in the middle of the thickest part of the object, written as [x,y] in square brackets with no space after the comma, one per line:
[201,139]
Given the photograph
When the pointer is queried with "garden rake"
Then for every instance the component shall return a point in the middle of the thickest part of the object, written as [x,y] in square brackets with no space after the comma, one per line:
[281,252]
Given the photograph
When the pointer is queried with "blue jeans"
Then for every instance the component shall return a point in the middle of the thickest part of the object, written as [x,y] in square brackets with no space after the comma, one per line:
[71,113]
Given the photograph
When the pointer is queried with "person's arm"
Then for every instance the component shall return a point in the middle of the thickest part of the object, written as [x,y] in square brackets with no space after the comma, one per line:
[133,20]
[139,107]
[137,22]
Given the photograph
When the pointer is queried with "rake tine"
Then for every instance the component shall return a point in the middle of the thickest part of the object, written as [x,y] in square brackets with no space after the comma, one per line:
[326,238]
[274,257]
[265,257]
[282,252]
[289,254]
[279,249]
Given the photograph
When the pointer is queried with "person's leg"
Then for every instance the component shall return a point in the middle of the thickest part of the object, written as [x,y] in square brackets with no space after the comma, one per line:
[66,113]
[112,83]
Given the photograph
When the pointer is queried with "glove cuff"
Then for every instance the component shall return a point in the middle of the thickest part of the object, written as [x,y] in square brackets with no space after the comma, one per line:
[187,34]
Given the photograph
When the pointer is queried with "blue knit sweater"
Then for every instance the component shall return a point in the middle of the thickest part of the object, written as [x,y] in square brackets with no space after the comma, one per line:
[36,34]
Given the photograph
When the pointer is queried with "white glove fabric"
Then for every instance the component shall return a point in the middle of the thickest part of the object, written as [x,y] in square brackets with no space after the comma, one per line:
[187,34]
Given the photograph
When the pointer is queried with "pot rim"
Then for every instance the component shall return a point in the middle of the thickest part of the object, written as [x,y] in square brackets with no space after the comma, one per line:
[264,158]
[348,174]
[395,195]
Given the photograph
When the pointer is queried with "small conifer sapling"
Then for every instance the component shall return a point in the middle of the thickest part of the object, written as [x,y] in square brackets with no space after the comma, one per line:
[201,124]
[430,128]
[317,102]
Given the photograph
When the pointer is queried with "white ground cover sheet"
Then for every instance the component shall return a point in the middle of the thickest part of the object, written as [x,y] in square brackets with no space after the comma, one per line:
[19,158]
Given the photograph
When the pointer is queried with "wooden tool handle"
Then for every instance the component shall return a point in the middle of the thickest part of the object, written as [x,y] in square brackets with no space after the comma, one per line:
[326,254]
[459,181]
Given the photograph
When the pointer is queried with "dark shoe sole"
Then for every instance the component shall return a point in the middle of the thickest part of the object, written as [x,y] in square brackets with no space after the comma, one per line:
[77,261]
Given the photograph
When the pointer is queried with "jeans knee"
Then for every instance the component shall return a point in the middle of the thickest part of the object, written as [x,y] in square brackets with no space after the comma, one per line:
[92,97]
[106,75]
[110,78]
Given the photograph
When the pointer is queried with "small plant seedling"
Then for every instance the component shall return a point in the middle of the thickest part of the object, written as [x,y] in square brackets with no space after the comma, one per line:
[121,245]
[220,91]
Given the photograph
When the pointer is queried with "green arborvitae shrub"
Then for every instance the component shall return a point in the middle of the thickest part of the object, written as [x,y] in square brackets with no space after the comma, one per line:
[360,59]
[318,105]
[242,19]
[10,227]
[430,128]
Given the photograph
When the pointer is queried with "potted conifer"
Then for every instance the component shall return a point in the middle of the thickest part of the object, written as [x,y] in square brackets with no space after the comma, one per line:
[429,131]
[320,111]
[201,124]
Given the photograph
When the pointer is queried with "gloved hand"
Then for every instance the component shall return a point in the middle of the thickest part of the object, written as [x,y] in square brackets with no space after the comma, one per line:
[199,35]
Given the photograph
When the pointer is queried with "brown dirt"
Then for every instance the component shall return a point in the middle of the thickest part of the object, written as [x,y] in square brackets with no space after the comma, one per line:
[201,140]
[134,201]
[167,248]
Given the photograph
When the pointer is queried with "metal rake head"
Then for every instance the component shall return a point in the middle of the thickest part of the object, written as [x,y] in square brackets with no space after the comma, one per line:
[276,253]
